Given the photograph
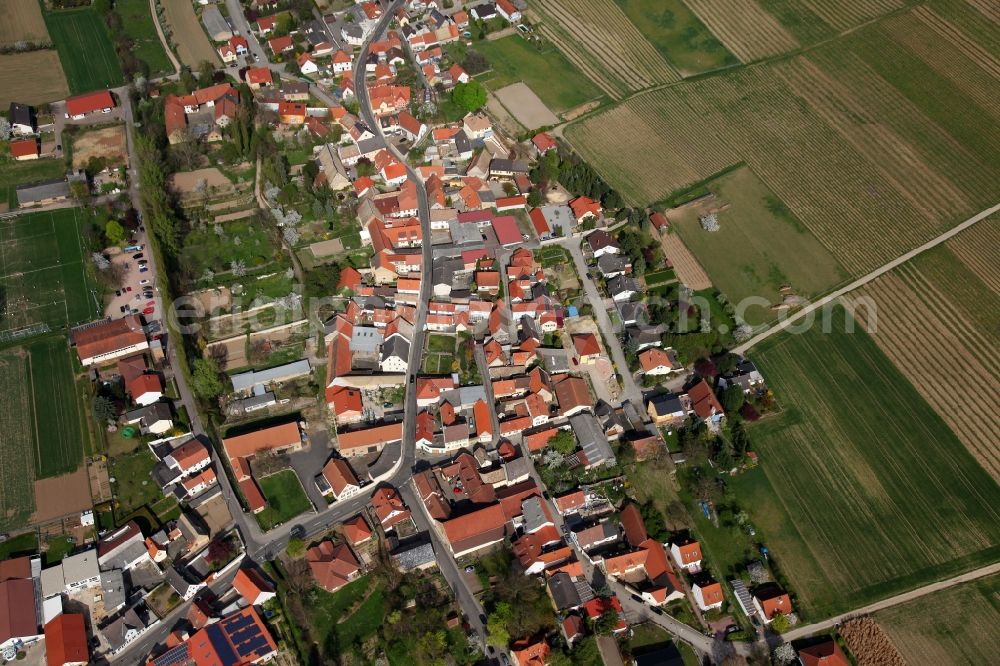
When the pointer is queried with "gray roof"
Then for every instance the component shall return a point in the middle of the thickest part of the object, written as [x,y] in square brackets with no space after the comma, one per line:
[247,380]
[554,360]
[563,591]
[80,567]
[667,403]
[465,397]
[621,284]
[22,114]
[366,339]
[644,335]
[462,234]
[414,556]
[258,401]
[35,192]
[592,439]
[137,618]
[534,515]
[214,22]
[462,143]
[177,581]
[514,166]
[113,589]
[611,263]
[517,468]
[121,558]
[372,145]
[632,312]
[396,346]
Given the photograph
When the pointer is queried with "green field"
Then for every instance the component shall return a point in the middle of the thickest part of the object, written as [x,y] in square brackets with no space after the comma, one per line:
[804,24]
[17,498]
[760,246]
[85,49]
[285,498]
[678,34]
[548,73]
[22,544]
[134,488]
[42,421]
[14,173]
[139,27]
[948,628]
[863,491]
[58,416]
[43,277]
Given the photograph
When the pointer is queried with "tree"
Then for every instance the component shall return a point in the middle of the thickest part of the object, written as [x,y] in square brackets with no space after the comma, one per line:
[470,96]
[114,232]
[296,548]
[607,622]
[206,380]
[103,409]
[80,190]
[535,197]
[732,398]
[739,438]
[475,62]
[187,79]
[780,623]
[564,442]
[364,167]
[206,74]
[496,624]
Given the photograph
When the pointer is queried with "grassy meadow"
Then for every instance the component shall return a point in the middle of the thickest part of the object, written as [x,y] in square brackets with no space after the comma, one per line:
[139,27]
[548,73]
[678,34]
[760,247]
[863,491]
[85,49]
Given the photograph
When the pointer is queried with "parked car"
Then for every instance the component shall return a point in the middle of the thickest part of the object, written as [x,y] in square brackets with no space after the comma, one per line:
[148,311]
[118,292]
[123,309]
[144,281]
[143,269]
[142,263]
[470,569]
[128,288]
[138,256]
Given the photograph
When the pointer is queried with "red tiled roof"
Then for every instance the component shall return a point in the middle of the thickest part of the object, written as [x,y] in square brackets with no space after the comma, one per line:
[339,475]
[89,102]
[543,141]
[17,609]
[276,437]
[538,222]
[251,584]
[108,337]
[66,640]
[703,400]
[332,565]
[23,148]
[822,654]
[376,436]
[632,523]
[586,344]
[356,530]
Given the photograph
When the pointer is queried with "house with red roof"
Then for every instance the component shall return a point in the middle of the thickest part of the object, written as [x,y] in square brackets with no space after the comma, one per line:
[307,65]
[356,530]
[81,106]
[332,565]
[255,589]
[107,340]
[507,232]
[506,9]
[234,48]
[345,402]
[279,45]
[585,208]
[25,149]
[258,77]
[341,481]
[543,143]
[291,113]
[686,553]
[771,600]
[597,606]
[827,653]
[656,361]
[66,641]
[530,653]
[705,405]
[708,595]
[389,507]
[587,346]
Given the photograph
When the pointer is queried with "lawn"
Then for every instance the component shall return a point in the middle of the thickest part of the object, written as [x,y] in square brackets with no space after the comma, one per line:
[950,627]
[659,277]
[760,247]
[285,498]
[133,486]
[546,71]
[22,544]
[553,255]
[14,173]
[85,49]
[678,34]
[139,27]
[42,270]
[863,491]
[334,632]
[59,547]
[441,344]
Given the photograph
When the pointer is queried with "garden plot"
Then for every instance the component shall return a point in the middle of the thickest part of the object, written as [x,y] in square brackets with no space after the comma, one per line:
[525,106]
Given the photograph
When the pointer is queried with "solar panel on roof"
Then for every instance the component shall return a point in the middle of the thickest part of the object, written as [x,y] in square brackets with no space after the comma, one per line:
[222,648]
[258,645]
[173,657]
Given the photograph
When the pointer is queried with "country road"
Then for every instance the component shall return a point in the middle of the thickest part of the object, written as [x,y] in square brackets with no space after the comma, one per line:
[810,629]
[860,282]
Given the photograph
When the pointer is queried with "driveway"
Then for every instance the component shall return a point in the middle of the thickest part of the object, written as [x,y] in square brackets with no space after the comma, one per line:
[630,390]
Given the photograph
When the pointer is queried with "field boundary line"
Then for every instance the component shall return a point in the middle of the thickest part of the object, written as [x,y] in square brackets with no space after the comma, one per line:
[865,279]
[899,599]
